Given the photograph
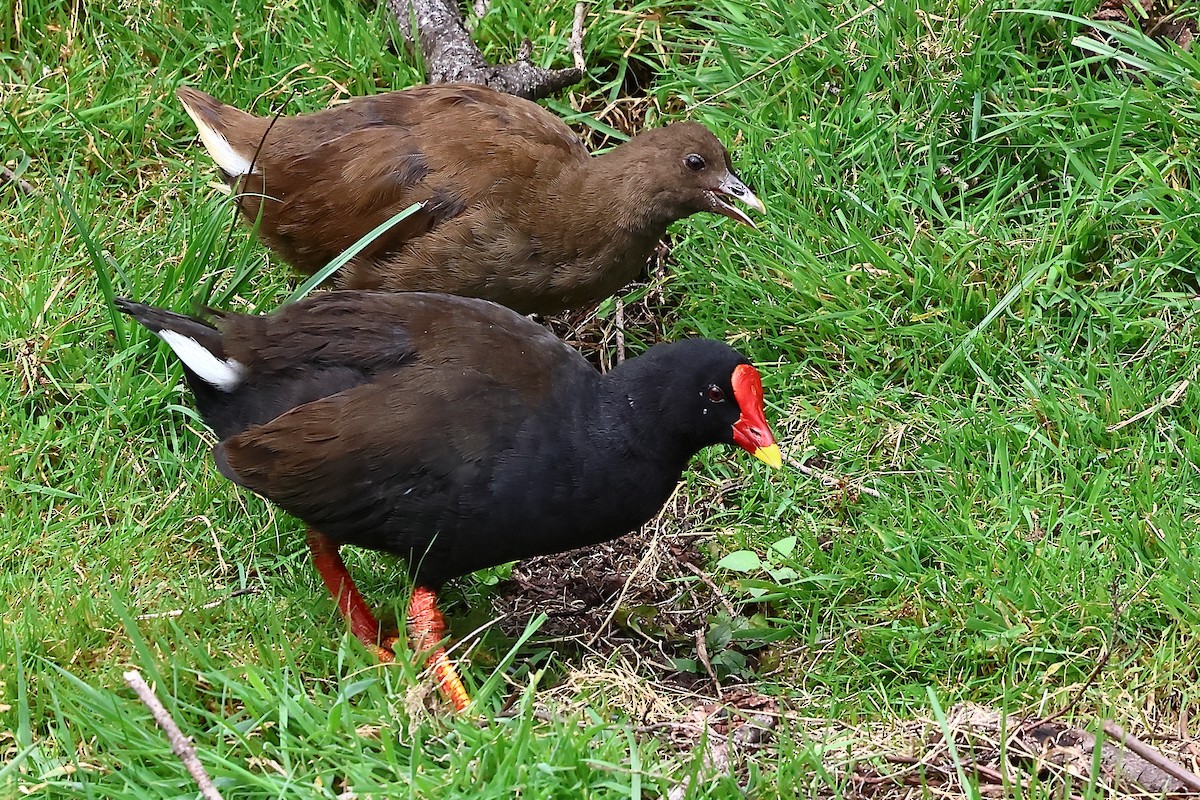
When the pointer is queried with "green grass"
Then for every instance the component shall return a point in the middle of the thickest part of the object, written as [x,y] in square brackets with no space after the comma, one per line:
[979,266]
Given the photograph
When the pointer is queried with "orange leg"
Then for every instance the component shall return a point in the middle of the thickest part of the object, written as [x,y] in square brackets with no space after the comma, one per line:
[427,624]
[428,628]
[363,624]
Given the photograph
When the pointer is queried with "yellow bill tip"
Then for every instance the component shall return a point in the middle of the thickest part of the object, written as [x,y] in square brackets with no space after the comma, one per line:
[752,200]
[770,456]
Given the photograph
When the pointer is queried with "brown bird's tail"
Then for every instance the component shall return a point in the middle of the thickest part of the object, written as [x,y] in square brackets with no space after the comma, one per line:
[229,134]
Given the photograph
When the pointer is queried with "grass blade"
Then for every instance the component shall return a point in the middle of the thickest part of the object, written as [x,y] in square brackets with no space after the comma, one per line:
[323,274]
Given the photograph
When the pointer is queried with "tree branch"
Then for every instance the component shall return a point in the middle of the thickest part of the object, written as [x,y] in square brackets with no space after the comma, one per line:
[452,57]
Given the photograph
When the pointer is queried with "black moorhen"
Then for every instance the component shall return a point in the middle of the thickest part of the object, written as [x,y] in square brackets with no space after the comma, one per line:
[516,210]
[450,431]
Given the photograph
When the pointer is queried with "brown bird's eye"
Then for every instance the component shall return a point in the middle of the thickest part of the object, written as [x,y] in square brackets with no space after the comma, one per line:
[715,394]
[694,162]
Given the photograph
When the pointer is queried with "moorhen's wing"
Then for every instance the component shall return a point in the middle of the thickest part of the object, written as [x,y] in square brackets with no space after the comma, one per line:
[385,465]
[379,332]
[448,384]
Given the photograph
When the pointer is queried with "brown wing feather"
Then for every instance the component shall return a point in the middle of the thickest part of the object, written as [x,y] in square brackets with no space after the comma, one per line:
[319,204]
[331,177]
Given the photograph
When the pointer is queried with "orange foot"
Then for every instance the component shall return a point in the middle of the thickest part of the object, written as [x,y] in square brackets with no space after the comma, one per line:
[427,624]
[385,650]
[428,628]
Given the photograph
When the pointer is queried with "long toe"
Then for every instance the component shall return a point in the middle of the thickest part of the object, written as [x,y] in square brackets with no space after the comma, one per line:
[385,651]
[428,627]
[448,681]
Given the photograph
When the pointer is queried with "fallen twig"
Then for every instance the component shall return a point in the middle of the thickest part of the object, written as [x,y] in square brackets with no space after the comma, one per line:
[712,587]
[577,35]
[1152,755]
[180,744]
[829,479]
[1118,609]
[23,186]
[177,612]
[702,654]
[452,57]
[1169,400]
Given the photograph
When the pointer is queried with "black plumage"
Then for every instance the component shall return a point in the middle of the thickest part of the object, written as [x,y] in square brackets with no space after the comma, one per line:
[449,431]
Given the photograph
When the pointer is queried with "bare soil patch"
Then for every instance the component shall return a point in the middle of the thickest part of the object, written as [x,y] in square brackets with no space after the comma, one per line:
[1166,20]
[645,598]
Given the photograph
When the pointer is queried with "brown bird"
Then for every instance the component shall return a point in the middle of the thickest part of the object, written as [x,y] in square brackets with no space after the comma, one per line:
[452,432]
[516,210]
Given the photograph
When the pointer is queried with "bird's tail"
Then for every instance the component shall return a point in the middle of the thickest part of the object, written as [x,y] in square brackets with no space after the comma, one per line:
[195,342]
[228,133]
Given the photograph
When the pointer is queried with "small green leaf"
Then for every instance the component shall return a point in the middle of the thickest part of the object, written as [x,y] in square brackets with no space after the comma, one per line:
[783,574]
[728,662]
[741,561]
[785,546]
[686,664]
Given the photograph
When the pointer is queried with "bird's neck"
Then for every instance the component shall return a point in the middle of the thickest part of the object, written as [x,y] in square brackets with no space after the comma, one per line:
[630,405]
[613,223]
[621,184]
[608,466]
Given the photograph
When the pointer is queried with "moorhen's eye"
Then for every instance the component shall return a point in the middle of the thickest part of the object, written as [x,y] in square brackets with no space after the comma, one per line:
[694,162]
[715,394]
